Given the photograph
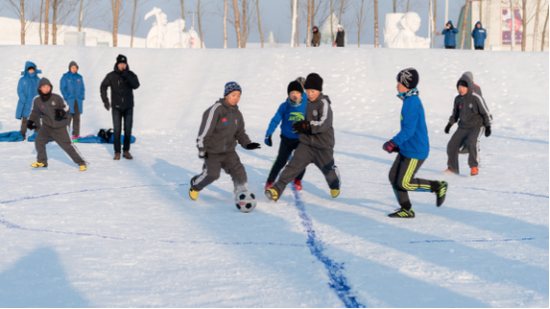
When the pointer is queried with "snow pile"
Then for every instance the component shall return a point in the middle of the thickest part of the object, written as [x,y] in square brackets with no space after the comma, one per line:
[125,234]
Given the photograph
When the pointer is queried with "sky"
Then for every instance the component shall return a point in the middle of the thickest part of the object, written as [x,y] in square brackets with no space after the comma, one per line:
[275,15]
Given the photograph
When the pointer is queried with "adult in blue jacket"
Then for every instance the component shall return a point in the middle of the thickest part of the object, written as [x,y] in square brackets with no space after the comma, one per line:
[27,90]
[479,34]
[413,146]
[72,88]
[450,35]
[290,111]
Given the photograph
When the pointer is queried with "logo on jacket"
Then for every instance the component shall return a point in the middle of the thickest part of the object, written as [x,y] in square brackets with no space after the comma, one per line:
[296,116]
[471,105]
[224,121]
[314,112]
[235,121]
[78,80]
[43,107]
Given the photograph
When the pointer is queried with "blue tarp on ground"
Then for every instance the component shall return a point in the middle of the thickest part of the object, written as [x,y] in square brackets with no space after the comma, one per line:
[99,140]
[14,136]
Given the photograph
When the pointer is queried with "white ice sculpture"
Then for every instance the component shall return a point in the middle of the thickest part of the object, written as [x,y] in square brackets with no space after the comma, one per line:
[399,31]
[167,35]
[326,32]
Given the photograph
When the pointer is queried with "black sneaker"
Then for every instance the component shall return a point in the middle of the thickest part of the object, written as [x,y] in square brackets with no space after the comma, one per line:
[441,192]
[403,213]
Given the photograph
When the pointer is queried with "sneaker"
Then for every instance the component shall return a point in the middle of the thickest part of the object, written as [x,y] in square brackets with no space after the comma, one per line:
[127,155]
[271,194]
[193,194]
[298,184]
[441,192]
[117,156]
[474,171]
[403,213]
[83,168]
[334,192]
[268,185]
[38,164]
[448,171]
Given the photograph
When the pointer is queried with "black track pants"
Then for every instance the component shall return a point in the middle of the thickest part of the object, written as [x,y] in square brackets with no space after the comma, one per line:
[470,139]
[285,150]
[231,164]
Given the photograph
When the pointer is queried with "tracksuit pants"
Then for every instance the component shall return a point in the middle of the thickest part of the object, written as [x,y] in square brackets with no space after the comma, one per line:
[285,150]
[214,162]
[128,116]
[75,119]
[62,138]
[468,137]
[402,179]
[303,156]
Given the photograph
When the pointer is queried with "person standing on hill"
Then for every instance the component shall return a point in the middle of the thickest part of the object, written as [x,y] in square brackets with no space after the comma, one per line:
[72,89]
[123,82]
[479,35]
[27,91]
[340,37]
[450,35]
[316,39]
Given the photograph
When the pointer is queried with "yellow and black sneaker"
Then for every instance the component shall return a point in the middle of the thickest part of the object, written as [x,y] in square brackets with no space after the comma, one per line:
[271,194]
[441,192]
[334,192]
[193,194]
[82,168]
[402,213]
[38,164]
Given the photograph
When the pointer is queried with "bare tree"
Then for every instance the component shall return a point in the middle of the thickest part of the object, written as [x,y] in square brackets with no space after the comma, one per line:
[376,23]
[40,22]
[46,22]
[183,13]
[536,26]
[394,6]
[115,6]
[61,10]
[344,4]
[513,27]
[260,23]
[237,23]
[244,34]
[84,10]
[308,32]
[544,32]
[464,19]
[294,19]
[27,15]
[225,25]
[361,14]
[434,21]
[331,27]
[529,12]
[134,26]
[199,20]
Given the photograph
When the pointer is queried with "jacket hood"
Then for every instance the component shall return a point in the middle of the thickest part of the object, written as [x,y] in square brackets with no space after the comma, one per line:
[478,23]
[30,64]
[73,63]
[470,76]
[468,81]
[450,22]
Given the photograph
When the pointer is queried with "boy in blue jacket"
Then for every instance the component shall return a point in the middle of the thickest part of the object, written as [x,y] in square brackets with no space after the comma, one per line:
[412,146]
[450,35]
[27,91]
[292,110]
[72,88]
[479,35]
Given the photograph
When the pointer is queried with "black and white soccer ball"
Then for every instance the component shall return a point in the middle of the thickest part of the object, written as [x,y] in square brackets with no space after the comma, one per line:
[245,201]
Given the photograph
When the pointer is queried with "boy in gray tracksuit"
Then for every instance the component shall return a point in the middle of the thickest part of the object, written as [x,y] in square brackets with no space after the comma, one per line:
[474,115]
[221,128]
[316,137]
[53,110]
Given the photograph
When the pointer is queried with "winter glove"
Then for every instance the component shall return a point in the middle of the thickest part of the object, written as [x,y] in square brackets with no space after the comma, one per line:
[487,131]
[448,128]
[202,154]
[124,73]
[253,146]
[107,105]
[300,127]
[31,125]
[390,146]
[60,114]
[268,141]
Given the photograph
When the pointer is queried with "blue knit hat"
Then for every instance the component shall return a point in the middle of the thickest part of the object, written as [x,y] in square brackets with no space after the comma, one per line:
[230,87]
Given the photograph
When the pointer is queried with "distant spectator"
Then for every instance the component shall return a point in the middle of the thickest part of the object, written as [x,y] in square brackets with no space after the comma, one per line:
[450,35]
[27,91]
[316,40]
[479,35]
[340,37]
[72,89]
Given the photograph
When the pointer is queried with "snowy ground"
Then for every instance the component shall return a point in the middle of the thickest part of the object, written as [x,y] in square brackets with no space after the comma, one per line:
[126,234]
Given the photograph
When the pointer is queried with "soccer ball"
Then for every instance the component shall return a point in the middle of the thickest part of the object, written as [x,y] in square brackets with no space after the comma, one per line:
[245,201]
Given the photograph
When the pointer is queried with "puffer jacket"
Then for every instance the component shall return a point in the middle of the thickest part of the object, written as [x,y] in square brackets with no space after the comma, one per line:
[122,89]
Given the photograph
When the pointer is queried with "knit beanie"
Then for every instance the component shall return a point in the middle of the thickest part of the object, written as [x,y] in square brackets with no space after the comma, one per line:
[408,78]
[294,86]
[230,87]
[73,63]
[121,59]
[462,83]
[314,81]
[44,81]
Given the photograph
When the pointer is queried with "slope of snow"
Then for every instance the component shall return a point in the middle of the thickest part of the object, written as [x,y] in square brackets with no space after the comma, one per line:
[126,234]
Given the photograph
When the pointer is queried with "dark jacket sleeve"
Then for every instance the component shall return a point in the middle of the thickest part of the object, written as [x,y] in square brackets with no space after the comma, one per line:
[106,83]
[325,119]
[241,135]
[132,80]
[456,111]
[209,119]
[35,113]
[483,111]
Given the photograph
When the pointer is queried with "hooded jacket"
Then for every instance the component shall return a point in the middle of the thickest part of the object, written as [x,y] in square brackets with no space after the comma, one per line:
[319,116]
[412,139]
[72,89]
[340,38]
[316,39]
[286,115]
[470,109]
[450,35]
[479,35]
[221,127]
[475,87]
[47,109]
[27,89]
[122,95]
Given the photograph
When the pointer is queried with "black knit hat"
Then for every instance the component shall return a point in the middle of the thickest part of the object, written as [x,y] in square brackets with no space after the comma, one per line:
[121,59]
[294,86]
[408,78]
[462,83]
[314,81]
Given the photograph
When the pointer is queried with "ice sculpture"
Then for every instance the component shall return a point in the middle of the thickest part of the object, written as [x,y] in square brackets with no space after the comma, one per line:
[399,31]
[170,35]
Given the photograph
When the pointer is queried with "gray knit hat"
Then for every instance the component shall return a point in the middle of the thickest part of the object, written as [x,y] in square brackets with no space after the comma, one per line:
[44,81]
[73,63]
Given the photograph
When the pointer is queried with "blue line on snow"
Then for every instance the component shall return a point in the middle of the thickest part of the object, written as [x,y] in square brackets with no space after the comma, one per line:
[338,281]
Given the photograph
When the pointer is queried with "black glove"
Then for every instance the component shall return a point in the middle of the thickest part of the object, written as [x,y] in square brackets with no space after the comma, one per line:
[31,125]
[448,128]
[124,73]
[390,146]
[253,146]
[487,131]
[202,154]
[106,104]
[300,127]
[59,114]
[268,141]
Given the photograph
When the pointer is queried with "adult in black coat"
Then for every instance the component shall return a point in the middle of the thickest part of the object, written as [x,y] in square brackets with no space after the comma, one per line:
[340,37]
[122,82]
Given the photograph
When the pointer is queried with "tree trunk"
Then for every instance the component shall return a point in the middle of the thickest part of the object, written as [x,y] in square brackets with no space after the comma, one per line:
[80,16]
[116,5]
[360,24]
[308,32]
[408,6]
[55,5]
[536,26]
[331,22]
[40,24]
[376,23]
[225,25]
[244,32]
[294,18]
[260,23]
[481,11]
[237,23]
[46,22]
[341,10]
[524,24]
[394,6]
[513,30]
[435,21]
[22,16]
[544,32]
[133,20]
[199,19]
[183,12]
[312,13]
[464,22]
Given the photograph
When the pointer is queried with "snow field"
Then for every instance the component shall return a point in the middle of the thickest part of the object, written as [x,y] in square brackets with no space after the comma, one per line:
[126,234]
